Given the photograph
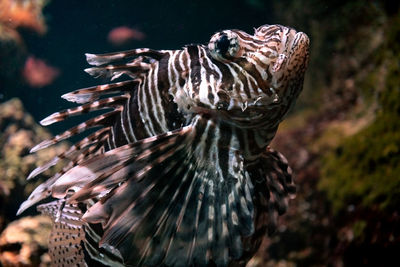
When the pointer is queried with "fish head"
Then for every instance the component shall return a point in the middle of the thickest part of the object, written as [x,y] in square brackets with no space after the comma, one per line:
[267,69]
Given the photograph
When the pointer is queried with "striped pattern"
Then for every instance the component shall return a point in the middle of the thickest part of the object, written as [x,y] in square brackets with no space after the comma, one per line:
[179,171]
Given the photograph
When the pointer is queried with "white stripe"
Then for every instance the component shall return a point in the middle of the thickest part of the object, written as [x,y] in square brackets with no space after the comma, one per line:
[160,114]
[113,136]
[181,61]
[189,88]
[153,108]
[170,79]
[128,112]
[142,107]
[261,70]
[174,81]
[237,81]
[123,126]
[203,90]
[148,123]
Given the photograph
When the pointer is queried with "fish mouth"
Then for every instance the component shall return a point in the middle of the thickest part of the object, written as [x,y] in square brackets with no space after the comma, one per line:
[255,109]
[251,113]
[247,115]
[244,118]
[250,118]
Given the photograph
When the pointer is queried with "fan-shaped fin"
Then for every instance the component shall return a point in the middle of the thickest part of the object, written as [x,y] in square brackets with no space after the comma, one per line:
[65,242]
[274,185]
[106,255]
[164,200]
[71,238]
[280,184]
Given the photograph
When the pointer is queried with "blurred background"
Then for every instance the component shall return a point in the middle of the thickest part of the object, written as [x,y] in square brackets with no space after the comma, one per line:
[342,139]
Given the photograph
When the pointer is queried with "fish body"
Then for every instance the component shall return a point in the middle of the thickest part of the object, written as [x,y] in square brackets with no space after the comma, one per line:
[180,172]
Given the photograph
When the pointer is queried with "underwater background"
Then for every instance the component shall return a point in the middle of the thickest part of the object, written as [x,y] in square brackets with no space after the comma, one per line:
[342,139]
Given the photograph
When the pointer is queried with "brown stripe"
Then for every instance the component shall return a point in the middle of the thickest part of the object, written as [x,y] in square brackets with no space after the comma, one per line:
[272,30]
[241,77]
[224,149]
[251,69]
[227,78]
[173,118]
[137,124]
[194,67]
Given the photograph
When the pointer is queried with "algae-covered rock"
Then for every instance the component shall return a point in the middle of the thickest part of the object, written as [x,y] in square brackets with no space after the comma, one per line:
[344,141]
[365,168]
[24,242]
[18,134]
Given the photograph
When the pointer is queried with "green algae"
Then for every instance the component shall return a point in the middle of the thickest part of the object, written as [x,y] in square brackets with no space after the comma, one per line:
[358,229]
[365,167]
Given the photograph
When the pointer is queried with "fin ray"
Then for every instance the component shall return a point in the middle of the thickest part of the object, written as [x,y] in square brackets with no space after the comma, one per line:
[91,94]
[110,102]
[101,59]
[101,120]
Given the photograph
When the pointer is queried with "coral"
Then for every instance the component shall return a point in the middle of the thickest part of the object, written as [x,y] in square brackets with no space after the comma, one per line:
[22,14]
[37,73]
[14,16]
[18,133]
[124,35]
[24,242]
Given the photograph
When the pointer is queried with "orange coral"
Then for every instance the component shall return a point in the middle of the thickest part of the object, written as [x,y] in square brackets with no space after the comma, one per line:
[21,13]
[37,73]
[123,34]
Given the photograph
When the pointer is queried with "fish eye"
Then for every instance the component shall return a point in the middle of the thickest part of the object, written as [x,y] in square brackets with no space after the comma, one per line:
[224,45]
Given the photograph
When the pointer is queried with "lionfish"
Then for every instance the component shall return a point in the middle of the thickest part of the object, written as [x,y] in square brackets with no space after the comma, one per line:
[179,171]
